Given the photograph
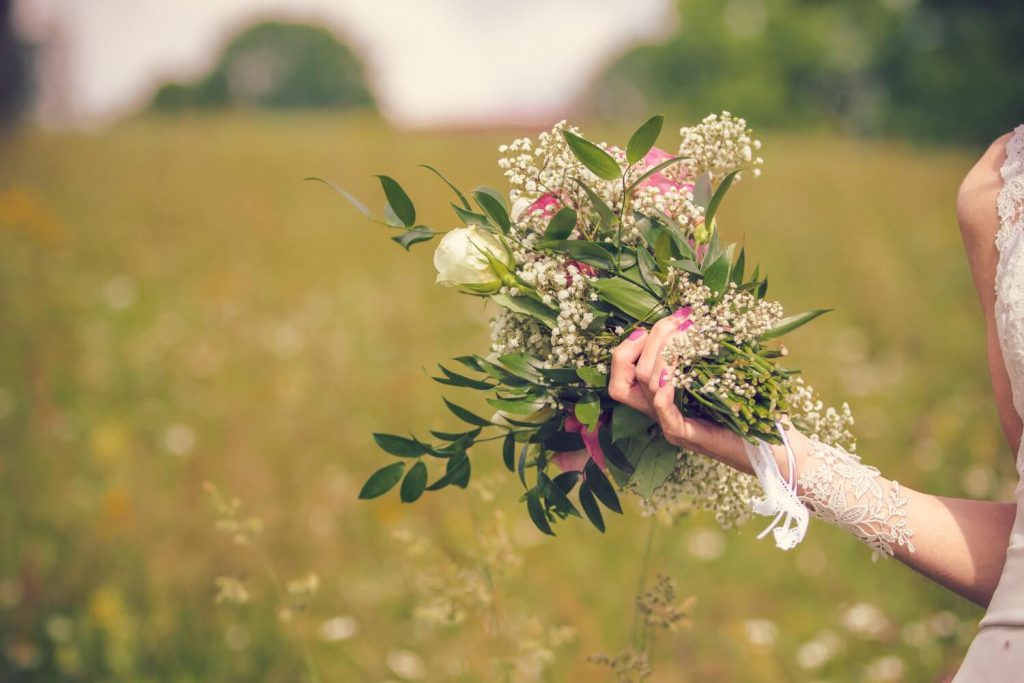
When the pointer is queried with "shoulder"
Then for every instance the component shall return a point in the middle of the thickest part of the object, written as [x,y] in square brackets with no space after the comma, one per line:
[979,190]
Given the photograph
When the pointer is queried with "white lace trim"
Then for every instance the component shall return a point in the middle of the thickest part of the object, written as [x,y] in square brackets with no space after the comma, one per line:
[843,491]
[1010,202]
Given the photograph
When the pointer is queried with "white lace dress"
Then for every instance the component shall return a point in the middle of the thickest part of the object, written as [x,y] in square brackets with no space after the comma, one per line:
[997,652]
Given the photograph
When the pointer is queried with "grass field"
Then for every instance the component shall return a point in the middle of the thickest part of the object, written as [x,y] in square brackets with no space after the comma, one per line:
[178,307]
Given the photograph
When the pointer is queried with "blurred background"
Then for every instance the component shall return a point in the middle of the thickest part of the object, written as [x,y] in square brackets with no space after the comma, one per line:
[195,345]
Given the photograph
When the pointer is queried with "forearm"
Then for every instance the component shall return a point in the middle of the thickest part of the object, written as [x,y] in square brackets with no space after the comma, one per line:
[958,543]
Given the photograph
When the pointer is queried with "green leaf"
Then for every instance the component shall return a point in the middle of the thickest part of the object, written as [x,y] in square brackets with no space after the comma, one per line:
[712,252]
[629,298]
[560,375]
[537,514]
[601,487]
[413,236]
[716,275]
[738,267]
[687,265]
[470,362]
[656,463]
[457,380]
[382,481]
[472,218]
[566,481]
[716,200]
[527,306]
[455,436]
[399,445]
[592,376]
[600,163]
[414,483]
[613,454]
[498,196]
[582,250]
[391,218]
[351,200]
[789,324]
[657,168]
[605,215]
[465,415]
[399,201]
[650,273]
[588,410]
[641,142]
[525,407]
[508,452]
[462,197]
[564,441]
[627,422]
[494,209]
[561,225]
[521,464]
[456,472]
[648,228]
[663,249]
[521,365]
[590,507]
[556,496]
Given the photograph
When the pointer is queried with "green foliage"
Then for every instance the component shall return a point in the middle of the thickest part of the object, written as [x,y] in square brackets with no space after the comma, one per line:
[16,68]
[276,65]
[931,69]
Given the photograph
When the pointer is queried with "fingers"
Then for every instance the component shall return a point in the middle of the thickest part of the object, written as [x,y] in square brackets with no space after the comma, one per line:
[698,435]
[651,355]
[677,429]
[622,383]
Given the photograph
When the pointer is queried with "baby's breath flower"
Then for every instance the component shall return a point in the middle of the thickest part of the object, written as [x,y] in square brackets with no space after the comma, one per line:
[719,145]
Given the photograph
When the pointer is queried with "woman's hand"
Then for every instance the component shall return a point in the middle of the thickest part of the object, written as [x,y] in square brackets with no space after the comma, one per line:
[638,379]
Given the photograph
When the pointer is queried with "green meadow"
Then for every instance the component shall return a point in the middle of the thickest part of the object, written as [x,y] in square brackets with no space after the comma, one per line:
[177,308]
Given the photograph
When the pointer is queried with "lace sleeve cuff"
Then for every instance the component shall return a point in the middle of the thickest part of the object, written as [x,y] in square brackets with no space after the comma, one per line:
[838,488]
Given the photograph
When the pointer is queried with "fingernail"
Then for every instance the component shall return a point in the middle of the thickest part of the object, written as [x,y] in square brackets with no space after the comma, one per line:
[682,312]
[637,333]
[663,378]
[685,325]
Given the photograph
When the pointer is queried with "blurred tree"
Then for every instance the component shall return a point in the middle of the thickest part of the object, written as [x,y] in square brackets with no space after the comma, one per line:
[276,65]
[15,68]
[930,68]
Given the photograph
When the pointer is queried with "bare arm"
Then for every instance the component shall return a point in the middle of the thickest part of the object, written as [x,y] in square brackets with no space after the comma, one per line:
[959,543]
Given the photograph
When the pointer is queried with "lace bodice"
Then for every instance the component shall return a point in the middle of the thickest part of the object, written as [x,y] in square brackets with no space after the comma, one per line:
[1009,307]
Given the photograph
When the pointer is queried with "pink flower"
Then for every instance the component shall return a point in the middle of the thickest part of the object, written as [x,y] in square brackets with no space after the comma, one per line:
[583,268]
[574,461]
[548,203]
[659,180]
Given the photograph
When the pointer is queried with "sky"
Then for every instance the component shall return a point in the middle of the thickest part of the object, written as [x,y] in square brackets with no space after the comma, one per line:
[432,62]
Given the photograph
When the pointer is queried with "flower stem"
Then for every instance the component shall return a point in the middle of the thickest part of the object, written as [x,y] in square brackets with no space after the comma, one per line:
[644,565]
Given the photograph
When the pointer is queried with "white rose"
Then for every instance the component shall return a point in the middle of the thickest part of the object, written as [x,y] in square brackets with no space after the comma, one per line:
[460,261]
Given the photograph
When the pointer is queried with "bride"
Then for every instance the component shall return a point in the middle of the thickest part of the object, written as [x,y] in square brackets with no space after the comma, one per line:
[972,547]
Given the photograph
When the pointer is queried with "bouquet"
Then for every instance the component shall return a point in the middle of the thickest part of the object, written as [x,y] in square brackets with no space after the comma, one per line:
[591,241]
